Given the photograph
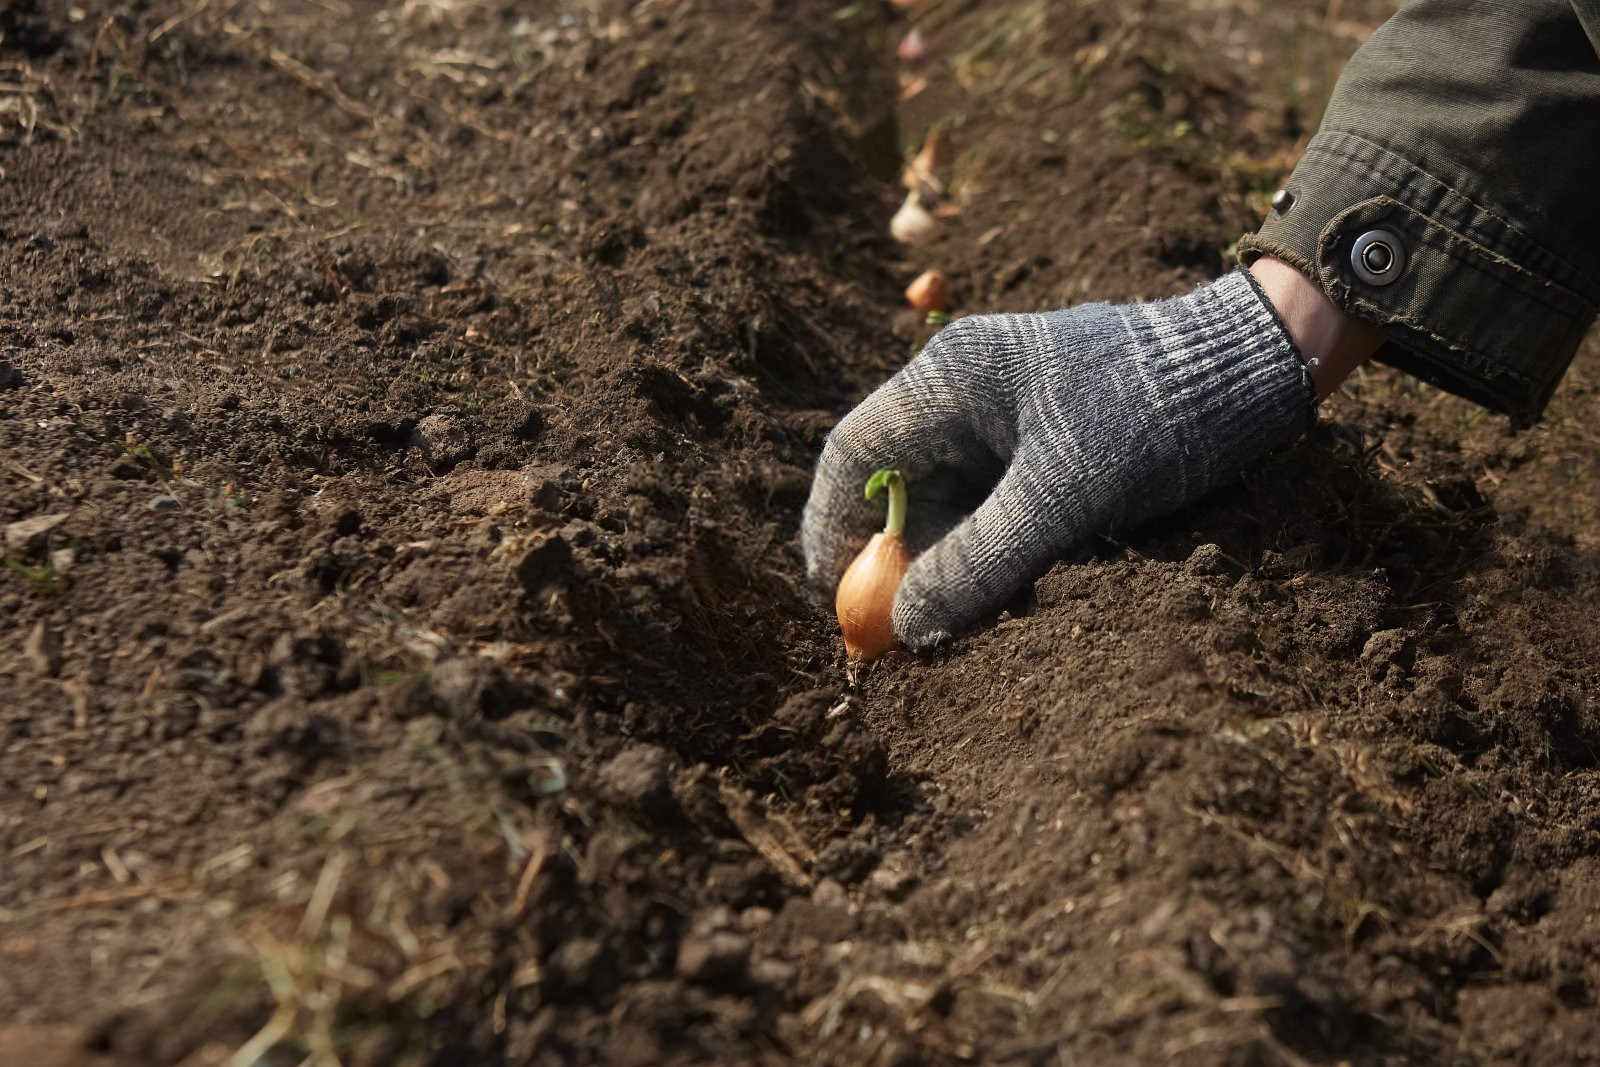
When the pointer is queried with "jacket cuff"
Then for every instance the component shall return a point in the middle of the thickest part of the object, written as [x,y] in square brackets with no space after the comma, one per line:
[1467,300]
[1589,18]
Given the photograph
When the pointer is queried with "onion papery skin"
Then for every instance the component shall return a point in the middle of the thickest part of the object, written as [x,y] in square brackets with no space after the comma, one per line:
[865,600]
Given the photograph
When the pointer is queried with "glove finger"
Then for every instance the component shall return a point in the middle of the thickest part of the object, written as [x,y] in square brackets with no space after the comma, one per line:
[836,516]
[943,420]
[980,564]
[931,434]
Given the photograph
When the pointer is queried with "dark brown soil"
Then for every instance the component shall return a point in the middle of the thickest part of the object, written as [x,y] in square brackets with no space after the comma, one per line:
[405,412]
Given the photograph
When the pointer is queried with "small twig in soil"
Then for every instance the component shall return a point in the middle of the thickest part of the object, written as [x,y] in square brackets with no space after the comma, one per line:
[319,84]
[421,973]
[755,830]
[109,30]
[267,1038]
[311,79]
[322,895]
[161,891]
[175,21]
[32,477]
[540,848]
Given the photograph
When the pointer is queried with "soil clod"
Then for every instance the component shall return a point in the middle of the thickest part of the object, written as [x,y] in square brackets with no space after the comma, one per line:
[406,410]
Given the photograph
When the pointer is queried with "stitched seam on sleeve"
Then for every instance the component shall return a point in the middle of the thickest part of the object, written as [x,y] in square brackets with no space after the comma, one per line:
[1371,170]
[1462,251]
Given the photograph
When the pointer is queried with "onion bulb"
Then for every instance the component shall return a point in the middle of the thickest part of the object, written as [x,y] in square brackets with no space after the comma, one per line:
[919,171]
[865,600]
[912,224]
[912,47]
[930,292]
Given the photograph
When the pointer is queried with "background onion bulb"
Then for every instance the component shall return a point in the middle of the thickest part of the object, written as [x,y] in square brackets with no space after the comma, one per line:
[912,224]
[930,292]
[865,600]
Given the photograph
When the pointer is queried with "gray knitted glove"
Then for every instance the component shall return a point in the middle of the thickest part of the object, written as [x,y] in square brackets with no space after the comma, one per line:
[1022,435]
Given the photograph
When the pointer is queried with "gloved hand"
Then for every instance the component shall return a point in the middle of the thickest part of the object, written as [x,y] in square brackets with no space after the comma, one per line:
[1054,428]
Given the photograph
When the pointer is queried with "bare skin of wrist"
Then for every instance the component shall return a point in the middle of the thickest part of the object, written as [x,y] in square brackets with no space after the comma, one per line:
[1337,342]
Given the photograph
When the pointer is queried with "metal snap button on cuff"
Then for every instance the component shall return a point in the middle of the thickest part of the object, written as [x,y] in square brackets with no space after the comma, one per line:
[1378,257]
[1282,201]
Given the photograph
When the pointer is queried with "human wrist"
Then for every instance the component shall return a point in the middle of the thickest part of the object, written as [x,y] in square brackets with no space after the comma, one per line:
[1332,342]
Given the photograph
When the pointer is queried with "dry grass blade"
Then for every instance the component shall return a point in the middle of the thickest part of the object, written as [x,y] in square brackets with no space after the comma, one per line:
[757,830]
[313,80]
[102,897]
[175,21]
[110,31]
[904,998]
[322,895]
[541,849]
[265,1039]
[27,101]
[318,83]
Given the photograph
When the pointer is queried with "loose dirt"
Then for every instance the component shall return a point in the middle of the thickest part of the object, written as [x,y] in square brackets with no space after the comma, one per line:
[405,413]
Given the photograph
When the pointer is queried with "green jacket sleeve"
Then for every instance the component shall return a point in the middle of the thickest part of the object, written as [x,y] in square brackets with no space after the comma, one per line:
[1449,195]
[1589,14]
